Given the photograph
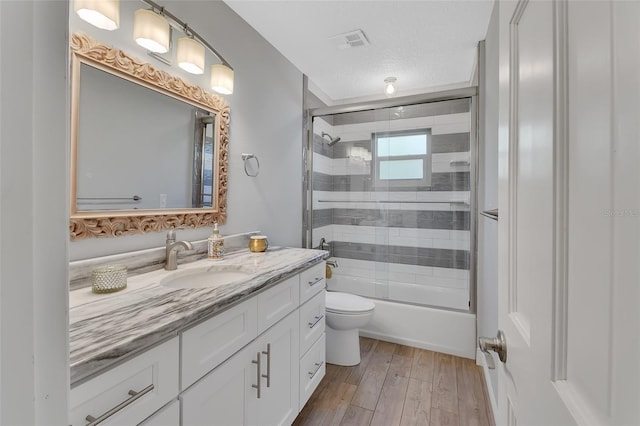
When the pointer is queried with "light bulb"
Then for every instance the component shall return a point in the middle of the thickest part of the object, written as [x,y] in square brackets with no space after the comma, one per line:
[190,55]
[104,14]
[151,31]
[390,86]
[222,79]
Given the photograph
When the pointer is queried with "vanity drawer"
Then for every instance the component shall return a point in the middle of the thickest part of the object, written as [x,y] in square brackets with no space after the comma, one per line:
[312,369]
[312,281]
[312,321]
[153,375]
[277,302]
[208,344]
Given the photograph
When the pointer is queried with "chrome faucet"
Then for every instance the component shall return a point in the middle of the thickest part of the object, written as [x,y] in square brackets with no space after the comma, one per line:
[324,245]
[171,247]
[332,263]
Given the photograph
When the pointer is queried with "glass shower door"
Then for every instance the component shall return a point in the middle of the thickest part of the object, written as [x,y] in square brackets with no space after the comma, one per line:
[392,198]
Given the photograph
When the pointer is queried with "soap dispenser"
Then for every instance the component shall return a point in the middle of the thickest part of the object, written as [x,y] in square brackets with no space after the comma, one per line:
[215,244]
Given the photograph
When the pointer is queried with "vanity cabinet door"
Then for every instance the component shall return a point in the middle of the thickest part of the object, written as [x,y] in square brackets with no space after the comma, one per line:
[278,402]
[229,394]
[222,396]
[206,345]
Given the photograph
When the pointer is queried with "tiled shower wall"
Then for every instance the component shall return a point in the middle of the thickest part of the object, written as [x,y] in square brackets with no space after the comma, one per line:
[404,244]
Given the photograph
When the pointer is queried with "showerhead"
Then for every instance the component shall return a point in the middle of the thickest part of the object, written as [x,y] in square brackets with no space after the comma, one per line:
[332,141]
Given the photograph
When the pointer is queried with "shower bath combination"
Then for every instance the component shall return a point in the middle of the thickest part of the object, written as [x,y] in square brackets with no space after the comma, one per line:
[332,141]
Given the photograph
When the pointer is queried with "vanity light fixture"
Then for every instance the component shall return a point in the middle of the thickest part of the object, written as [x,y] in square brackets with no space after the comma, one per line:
[222,79]
[190,55]
[151,31]
[104,14]
[390,86]
[221,74]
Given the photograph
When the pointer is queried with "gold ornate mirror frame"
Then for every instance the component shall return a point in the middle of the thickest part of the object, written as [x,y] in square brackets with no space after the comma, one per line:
[87,224]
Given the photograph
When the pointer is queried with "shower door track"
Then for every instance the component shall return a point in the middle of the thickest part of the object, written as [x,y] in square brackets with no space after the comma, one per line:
[447,95]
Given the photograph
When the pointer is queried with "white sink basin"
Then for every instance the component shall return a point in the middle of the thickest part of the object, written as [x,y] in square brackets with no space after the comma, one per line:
[207,277]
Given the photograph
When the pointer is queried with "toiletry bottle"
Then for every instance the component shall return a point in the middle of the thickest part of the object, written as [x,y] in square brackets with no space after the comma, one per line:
[215,244]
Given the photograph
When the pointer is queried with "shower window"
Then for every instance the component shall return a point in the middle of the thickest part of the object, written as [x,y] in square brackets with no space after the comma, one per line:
[402,158]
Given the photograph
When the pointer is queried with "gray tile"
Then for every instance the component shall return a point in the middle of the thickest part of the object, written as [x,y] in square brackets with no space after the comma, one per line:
[322,218]
[441,258]
[341,149]
[455,220]
[322,182]
[454,181]
[320,146]
[454,142]
[352,183]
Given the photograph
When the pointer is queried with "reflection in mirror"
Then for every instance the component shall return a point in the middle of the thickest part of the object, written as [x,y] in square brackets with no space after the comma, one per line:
[160,148]
[149,151]
[203,150]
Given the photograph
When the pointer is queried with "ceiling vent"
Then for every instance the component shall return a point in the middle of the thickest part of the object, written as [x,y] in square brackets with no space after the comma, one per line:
[351,39]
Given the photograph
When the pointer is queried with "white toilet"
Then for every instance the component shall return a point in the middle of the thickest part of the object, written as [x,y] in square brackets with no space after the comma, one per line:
[346,314]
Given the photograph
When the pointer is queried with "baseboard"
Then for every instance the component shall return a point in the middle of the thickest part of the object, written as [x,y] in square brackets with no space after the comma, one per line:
[482,361]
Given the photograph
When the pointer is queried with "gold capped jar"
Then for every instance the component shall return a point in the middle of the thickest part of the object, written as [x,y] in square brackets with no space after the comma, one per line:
[258,243]
[109,278]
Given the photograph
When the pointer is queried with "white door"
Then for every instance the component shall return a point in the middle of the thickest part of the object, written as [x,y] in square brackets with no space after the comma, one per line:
[569,212]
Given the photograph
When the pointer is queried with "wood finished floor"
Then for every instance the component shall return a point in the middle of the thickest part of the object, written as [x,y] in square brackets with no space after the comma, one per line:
[400,385]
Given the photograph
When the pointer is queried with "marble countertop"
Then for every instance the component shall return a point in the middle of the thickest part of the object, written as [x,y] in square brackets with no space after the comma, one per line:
[105,329]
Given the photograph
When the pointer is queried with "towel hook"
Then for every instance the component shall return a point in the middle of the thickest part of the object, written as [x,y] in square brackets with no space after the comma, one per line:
[246,157]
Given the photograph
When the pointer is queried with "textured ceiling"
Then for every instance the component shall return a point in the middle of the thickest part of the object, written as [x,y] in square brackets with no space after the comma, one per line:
[424,44]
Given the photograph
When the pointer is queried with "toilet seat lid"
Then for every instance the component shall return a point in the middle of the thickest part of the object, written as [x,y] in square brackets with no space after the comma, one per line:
[347,303]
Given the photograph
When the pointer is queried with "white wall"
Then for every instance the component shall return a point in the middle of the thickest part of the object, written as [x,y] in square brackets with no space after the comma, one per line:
[34,370]
[266,120]
[487,308]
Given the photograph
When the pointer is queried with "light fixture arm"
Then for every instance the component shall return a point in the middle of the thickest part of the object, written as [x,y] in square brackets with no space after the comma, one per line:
[185,28]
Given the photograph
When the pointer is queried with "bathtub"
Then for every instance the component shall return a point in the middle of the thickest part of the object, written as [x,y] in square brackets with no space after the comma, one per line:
[439,329]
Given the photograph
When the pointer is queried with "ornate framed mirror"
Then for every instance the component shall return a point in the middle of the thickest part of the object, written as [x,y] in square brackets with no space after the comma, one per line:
[149,151]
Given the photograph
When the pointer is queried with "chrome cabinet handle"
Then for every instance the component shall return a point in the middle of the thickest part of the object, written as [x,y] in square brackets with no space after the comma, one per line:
[314,372]
[257,362]
[316,281]
[134,397]
[268,354]
[316,320]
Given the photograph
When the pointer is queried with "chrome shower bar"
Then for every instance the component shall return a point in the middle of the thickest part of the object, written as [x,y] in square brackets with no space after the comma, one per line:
[395,202]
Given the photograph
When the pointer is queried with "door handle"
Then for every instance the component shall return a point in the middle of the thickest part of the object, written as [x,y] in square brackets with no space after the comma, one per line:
[497,344]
